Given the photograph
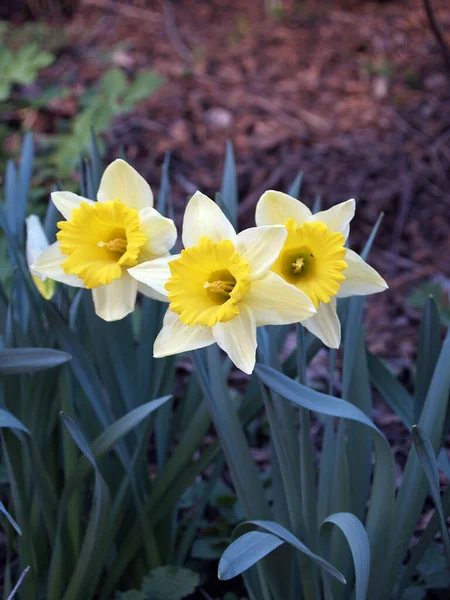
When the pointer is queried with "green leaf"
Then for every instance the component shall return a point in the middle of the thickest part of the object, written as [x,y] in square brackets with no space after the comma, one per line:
[296,186]
[357,539]
[413,490]
[246,551]
[29,360]
[427,353]
[229,189]
[113,84]
[9,421]
[428,459]
[9,517]
[96,540]
[380,515]
[147,82]
[243,553]
[170,583]
[391,389]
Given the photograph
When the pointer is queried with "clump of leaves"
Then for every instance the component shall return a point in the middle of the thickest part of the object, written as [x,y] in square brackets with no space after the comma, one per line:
[164,583]
[112,96]
[439,292]
[21,66]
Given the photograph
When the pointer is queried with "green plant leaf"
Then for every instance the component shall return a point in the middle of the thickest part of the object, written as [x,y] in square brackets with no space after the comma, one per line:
[9,517]
[29,360]
[170,583]
[357,539]
[413,490]
[246,551]
[427,353]
[229,189]
[427,457]
[379,519]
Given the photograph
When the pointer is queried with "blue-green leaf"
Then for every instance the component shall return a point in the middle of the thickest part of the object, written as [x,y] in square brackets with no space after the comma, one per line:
[358,541]
[246,551]
[29,360]
[427,457]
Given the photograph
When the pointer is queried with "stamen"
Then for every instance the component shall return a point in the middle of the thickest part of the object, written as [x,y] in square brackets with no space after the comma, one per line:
[298,264]
[116,245]
[220,287]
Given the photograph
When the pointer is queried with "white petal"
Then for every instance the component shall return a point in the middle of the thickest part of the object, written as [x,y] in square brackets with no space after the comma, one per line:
[338,217]
[238,339]
[275,302]
[151,293]
[360,278]
[36,239]
[154,273]
[203,217]
[161,232]
[121,182]
[325,324]
[275,208]
[49,265]
[176,337]
[260,247]
[65,202]
[117,299]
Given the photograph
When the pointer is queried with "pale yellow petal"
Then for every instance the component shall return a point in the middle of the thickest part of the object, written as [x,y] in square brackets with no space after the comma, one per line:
[121,182]
[338,217]
[325,324]
[260,247]
[275,208]
[238,339]
[176,337]
[360,278]
[65,202]
[36,239]
[151,293]
[203,217]
[117,299]
[154,273]
[161,232]
[48,264]
[276,302]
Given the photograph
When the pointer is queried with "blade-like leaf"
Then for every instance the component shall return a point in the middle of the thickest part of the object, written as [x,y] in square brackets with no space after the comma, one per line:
[29,360]
[358,541]
[9,517]
[427,457]
[391,389]
[380,515]
[427,353]
[246,551]
[287,536]
[7,420]
[229,189]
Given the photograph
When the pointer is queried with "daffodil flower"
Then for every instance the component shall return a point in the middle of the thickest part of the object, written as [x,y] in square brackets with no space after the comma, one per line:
[314,259]
[100,241]
[36,243]
[220,288]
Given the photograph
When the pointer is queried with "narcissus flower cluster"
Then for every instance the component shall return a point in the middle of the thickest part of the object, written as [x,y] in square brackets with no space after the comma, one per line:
[290,268]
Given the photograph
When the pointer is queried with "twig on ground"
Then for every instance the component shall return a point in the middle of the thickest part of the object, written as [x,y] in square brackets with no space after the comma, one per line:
[127,10]
[445,50]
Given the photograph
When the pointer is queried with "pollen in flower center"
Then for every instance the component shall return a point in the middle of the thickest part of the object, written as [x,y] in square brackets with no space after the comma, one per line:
[297,266]
[207,283]
[100,240]
[312,259]
[220,285]
[116,245]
